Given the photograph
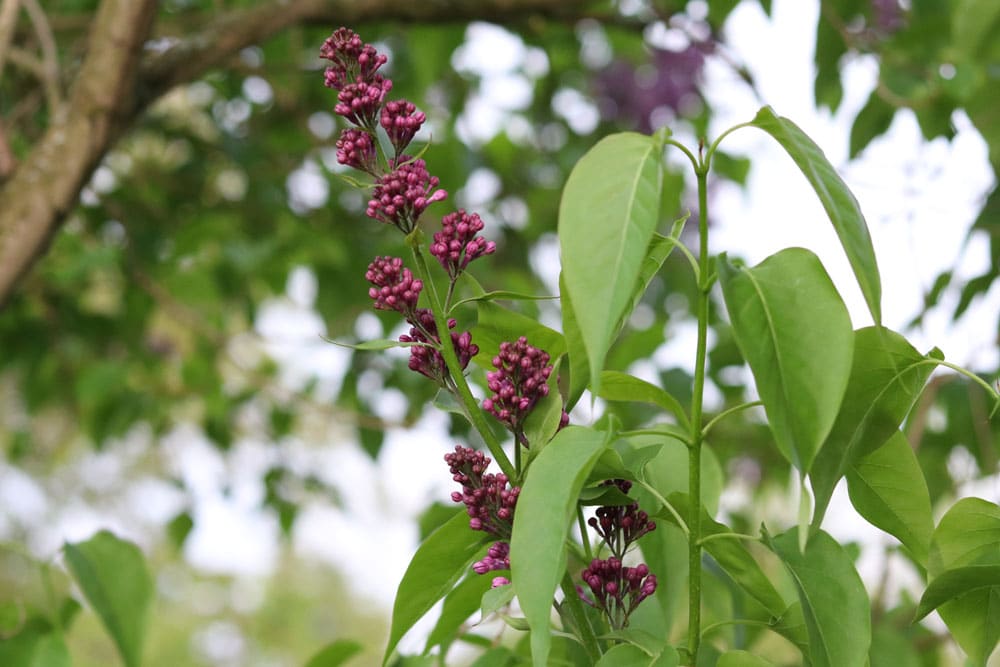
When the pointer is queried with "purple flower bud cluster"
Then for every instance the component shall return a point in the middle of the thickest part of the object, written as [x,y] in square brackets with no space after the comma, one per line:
[356,149]
[617,590]
[401,122]
[352,59]
[487,498]
[497,558]
[401,196]
[427,359]
[394,287]
[518,383]
[457,244]
[360,102]
[621,525]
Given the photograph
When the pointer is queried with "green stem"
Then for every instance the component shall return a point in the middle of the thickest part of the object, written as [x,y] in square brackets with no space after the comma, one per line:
[725,413]
[697,430]
[583,533]
[681,523]
[469,404]
[715,144]
[571,599]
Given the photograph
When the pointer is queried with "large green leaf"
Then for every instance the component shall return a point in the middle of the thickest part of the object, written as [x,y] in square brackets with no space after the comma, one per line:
[113,576]
[541,524]
[968,535]
[607,217]
[667,472]
[888,488]
[34,649]
[439,562]
[955,583]
[837,199]
[834,601]
[887,376]
[579,367]
[459,605]
[795,333]
[618,386]
[498,324]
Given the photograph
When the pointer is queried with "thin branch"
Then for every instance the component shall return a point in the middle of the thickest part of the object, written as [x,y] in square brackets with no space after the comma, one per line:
[50,57]
[8,19]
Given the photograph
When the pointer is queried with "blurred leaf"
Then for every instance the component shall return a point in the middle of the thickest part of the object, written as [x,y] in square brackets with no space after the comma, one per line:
[741,659]
[335,654]
[872,121]
[179,528]
[113,576]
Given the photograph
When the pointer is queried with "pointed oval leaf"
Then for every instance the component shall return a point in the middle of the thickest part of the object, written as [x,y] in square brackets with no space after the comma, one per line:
[461,603]
[335,654]
[498,324]
[834,600]
[618,386]
[607,216]
[541,523]
[440,561]
[888,489]
[795,333]
[887,376]
[953,584]
[969,535]
[113,576]
[741,659]
[840,204]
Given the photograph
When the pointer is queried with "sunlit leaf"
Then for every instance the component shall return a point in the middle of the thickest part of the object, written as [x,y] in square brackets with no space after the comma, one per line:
[837,199]
[335,654]
[607,216]
[795,333]
[113,576]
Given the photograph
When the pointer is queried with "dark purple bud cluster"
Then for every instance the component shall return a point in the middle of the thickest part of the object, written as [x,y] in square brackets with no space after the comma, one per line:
[356,149]
[518,383]
[360,102]
[427,359]
[457,244]
[352,59]
[402,195]
[621,525]
[497,558]
[617,590]
[487,498]
[394,287]
[401,122]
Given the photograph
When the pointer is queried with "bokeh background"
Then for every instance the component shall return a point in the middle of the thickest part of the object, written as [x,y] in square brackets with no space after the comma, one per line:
[164,364]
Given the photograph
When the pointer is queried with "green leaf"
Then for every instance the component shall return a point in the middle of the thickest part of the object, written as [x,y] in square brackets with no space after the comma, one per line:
[579,368]
[631,655]
[495,599]
[501,656]
[952,584]
[888,489]
[837,199]
[659,249]
[459,605]
[667,472]
[873,120]
[113,576]
[607,216]
[498,324]
[741,659]
[544,419]
[969,535]
[887,376]
[439,562]
[504,295]
[732,555]
[34,649]
[373,345]
[335,654]
[834,601]
[618,386]
[795,333]
[973,24]
[544,511]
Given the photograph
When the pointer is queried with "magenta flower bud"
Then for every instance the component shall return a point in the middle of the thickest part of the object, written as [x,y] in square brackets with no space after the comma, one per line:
[616,590]
[356,149]
[352,60]
[499,581]
[401,122]
[360,102]
[401,196]
[517,384]
[457,244]
[488,500]
[393,286]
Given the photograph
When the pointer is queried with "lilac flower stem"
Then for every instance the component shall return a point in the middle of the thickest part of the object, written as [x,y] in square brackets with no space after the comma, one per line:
[583,533]
[697,430]
[471,407]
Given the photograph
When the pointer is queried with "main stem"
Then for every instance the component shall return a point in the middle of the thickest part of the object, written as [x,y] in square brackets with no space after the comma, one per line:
[469,404]
[697,432]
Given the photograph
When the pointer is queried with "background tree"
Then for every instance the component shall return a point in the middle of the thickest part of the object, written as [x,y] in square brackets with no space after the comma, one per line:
[165,165]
